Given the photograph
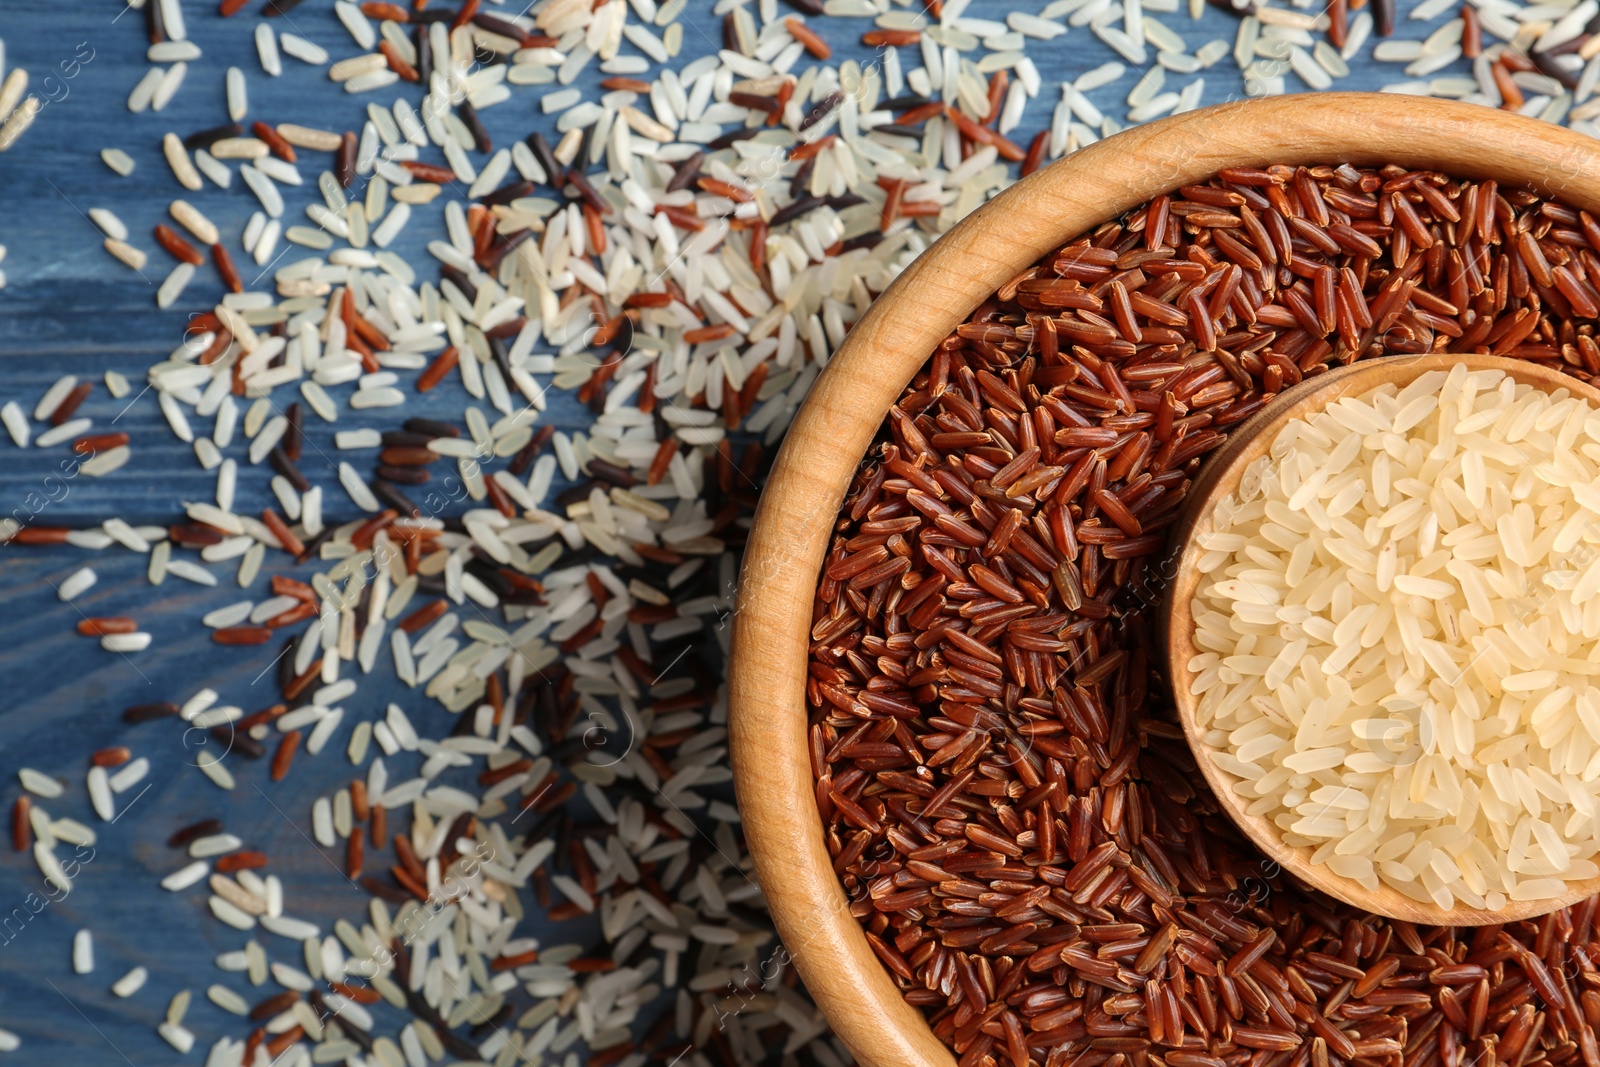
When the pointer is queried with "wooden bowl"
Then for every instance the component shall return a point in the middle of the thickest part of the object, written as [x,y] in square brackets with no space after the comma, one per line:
[1217,479]
[830,435]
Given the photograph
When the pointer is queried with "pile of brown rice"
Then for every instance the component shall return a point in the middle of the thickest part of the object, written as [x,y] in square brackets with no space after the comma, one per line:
[1009,801]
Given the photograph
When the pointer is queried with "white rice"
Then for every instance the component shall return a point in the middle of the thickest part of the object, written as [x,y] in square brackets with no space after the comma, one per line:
[16,423]
[238,94]
[99,784]
[76,583]
[185,877]
[129,775]
[267,50]
[82,952]
[65,432]
[227,1000]
[39,783]
[214,845]
[118,160]
[1357,622]
[130,983]
[54,395]
[134,642]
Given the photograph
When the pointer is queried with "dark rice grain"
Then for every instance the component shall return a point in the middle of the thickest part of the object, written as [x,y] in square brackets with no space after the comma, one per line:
[1007,797]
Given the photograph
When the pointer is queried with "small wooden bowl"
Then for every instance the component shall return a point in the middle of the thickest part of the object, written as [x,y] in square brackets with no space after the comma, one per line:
[830,435]
[1220,477]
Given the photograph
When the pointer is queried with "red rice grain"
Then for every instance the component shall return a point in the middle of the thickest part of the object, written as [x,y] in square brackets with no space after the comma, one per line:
[21,827]
[1005,791]
[283,758]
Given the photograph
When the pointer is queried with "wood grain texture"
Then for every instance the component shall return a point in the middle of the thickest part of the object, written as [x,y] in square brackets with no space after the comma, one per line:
[68,306]
[830,435]
[1219,478]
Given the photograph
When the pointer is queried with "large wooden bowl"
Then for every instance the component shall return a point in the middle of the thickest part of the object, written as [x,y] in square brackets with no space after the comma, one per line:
[1220,477]
[831,433]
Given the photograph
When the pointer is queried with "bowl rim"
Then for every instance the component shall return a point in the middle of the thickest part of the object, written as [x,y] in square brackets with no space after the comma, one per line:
[832,431]
[1221,475]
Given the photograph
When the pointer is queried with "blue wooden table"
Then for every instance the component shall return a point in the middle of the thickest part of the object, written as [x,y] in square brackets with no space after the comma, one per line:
[70,308]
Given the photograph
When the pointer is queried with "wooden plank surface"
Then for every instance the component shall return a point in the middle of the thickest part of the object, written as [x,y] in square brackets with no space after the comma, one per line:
[71,308]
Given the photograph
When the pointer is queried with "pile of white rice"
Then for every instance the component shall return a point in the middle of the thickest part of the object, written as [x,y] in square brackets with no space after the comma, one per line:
[1397,633]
